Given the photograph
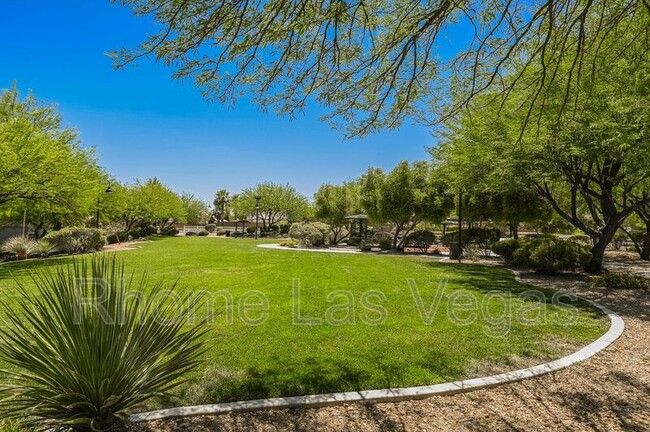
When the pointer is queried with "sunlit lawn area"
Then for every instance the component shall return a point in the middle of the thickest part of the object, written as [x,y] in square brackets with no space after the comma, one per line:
[277,357]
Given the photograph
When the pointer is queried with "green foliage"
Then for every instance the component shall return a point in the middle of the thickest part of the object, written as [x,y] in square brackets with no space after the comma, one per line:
[374,64]
[309,233]
[549,254]
[482,238]
[279,202]
[289,243]
[77,240]
[21,247]
[74,366]
[506,249]
[169,232]
[221,232]
[221,203]
[44,168]
[409,194]
[44,248]
[420,239]
[203,233]
[333,203]
[621,281]
[210,228]
[195,210]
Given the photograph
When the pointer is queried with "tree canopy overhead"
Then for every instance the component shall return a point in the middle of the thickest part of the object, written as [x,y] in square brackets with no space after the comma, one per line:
[373,63]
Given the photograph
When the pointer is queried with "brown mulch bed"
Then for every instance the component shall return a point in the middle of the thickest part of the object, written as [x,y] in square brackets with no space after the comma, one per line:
[609,392]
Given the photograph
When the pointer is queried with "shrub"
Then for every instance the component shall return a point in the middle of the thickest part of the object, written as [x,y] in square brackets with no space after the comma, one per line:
[582,239]
[250,230]
[483,238]
[550,254]
[289,243]
[355,241]
[420,239]
[44,248]
[621,281]
[169,231]
[20,247]
[284,227]
[117,237]
[385,244]
[309,233]
[203,233]
[506,248]
[228,233]
[72,368]
[210,228]
[77,240]
[221,232]
[365,246]
[190,234]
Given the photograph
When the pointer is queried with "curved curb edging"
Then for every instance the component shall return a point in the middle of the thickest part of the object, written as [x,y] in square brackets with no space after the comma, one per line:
[274,246]
[392,395]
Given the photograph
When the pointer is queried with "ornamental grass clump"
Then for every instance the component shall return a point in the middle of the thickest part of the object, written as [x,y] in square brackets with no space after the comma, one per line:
[87,348]
[20,247]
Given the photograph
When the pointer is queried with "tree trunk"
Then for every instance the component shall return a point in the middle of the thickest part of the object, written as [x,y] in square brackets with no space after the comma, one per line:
[514,230]
[645,253]
[595,264]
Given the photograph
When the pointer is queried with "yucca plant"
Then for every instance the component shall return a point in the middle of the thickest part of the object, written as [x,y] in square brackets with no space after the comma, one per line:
[20,246]
[44,248]
[88,347]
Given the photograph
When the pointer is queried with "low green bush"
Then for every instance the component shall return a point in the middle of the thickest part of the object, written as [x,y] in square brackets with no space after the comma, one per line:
[385,244]
[203,233]
[118,237]
[221,232]
[210,228]
[421,240]
[289,243]
[309,233]
[506,248]
[77,240]
[621,281]
[354,241]
[190,234]
[169,232]
[549,254]
[73,369]
[483,238]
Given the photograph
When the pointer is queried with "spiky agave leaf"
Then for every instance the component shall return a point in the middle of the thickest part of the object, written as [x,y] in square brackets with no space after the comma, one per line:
[89,346]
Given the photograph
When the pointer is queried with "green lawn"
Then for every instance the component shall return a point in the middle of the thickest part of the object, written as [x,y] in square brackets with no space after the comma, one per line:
[279,358]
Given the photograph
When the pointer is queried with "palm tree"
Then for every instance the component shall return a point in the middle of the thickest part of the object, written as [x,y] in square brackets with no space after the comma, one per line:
[221,200]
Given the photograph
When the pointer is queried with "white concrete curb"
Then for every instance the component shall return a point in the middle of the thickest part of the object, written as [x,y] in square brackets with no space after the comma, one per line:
[390,395]
[327,250]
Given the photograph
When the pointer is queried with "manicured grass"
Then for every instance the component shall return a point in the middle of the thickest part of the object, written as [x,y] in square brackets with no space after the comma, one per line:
[278,357]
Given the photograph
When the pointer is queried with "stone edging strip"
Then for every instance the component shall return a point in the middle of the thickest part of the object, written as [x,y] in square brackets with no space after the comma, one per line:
[391,395]
[328,250]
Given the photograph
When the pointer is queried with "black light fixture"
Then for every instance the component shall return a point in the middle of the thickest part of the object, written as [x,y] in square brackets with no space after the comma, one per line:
[108,191]
[257,213]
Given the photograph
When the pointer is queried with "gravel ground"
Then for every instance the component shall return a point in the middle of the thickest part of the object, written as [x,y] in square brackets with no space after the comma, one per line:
[609,392]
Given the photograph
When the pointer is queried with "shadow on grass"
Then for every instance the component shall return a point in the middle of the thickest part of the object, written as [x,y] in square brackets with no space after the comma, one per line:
[310,376]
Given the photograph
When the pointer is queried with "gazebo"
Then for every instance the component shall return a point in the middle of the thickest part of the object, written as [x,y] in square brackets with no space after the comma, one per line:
[243,223]
[360,222]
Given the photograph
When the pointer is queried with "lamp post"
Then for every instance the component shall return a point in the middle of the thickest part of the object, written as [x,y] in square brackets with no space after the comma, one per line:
[257,213]
[460,225]
[107,191]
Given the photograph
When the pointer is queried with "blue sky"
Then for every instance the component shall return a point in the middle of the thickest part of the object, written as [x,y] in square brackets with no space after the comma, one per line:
[144,124]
